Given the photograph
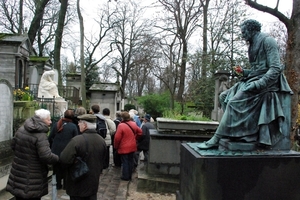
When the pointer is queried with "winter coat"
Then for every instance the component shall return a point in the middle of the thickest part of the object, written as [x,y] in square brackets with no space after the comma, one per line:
[144,141]
[29,172]
[59,140]
[111,129]
[125,139]
[96,153]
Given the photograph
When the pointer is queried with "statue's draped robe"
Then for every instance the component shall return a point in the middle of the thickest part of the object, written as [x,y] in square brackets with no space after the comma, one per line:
[47,87]
[256,115]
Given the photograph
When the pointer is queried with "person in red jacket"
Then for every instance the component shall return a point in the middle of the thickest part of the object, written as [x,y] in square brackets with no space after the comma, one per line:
[125,142]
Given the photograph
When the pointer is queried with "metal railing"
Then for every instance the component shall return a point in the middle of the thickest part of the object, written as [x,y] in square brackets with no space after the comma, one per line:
[67,92]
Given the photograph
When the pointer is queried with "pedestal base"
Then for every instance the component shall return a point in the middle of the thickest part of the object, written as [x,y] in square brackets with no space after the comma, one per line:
[226,144]
[226,175]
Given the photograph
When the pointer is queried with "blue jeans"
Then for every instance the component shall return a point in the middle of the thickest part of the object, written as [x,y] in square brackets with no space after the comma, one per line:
[127,166]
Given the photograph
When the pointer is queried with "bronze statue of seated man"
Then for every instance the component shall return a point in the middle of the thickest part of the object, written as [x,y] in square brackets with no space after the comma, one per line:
[252,108]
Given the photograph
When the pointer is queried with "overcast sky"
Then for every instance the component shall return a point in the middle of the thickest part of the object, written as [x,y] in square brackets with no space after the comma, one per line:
[89,10]
[90,7]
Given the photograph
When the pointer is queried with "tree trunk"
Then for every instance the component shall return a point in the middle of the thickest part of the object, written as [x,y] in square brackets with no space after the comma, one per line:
[20,31]
[36,21]
[83,89]
[293,61]
[182,71]
[204,48]
[58,38]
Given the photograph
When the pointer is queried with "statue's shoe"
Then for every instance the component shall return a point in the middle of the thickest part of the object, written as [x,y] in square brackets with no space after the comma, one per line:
[206,145]
[213,142]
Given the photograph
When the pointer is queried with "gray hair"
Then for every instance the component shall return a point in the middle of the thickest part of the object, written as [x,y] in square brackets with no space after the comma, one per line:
[42,113]
[80,111]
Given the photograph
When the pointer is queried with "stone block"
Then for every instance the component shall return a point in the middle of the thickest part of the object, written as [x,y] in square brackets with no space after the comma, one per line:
[259,175]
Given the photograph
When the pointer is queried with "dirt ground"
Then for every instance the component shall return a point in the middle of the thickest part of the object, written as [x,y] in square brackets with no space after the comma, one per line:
[133,194]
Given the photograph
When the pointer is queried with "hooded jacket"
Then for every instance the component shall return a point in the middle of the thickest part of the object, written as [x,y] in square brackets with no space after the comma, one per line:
[29,172]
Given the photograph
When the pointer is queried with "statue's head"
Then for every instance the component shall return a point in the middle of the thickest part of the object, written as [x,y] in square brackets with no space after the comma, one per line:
[249,28]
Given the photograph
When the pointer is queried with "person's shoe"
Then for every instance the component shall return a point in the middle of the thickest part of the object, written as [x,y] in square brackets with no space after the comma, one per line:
[58,187]
[213,142]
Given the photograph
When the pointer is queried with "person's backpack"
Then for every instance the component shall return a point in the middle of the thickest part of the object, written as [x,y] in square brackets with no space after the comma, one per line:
[117,122]
[101,127]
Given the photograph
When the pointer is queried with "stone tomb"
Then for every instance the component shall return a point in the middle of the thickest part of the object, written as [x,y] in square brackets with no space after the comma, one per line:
[228,175]
[162,172]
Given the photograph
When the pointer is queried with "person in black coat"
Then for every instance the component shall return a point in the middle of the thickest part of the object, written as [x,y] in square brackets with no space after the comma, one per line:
[144,142]
[116,156]
[61,134]
[90,146]
[28,175]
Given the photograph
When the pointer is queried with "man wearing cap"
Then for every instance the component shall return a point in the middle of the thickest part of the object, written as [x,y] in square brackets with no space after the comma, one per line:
[144,141]
[87,187]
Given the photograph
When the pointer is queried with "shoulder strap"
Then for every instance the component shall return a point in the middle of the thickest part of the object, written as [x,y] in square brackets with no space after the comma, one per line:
[130,128]
[86,146]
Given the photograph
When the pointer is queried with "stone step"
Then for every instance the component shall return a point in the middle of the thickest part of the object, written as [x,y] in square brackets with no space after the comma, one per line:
[156,183]
[5,165]
[4,195]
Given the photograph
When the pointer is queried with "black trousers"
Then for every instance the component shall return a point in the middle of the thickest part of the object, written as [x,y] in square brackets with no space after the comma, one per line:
[106,159]
[92,197]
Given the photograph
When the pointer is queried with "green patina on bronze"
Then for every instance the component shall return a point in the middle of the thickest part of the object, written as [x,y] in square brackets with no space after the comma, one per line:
[253,110]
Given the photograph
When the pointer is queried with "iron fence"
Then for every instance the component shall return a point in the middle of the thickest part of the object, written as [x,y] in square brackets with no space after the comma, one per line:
[67,92]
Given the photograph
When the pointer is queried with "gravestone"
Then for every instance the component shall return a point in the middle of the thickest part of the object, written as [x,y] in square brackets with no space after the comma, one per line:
[6,111]
[221,84]
[6,126]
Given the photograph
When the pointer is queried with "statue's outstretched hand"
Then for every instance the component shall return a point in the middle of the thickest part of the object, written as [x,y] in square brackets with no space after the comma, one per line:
[238,70]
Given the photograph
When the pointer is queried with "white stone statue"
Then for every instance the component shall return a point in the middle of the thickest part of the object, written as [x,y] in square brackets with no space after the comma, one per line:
[47,87]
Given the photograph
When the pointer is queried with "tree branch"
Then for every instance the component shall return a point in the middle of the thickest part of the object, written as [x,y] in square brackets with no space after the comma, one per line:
[273,11]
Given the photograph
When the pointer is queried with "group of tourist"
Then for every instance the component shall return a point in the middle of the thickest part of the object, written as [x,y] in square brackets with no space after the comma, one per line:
[252,113]
[34,151]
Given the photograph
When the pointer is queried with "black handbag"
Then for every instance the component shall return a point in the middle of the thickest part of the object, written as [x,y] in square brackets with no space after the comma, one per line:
[80,169]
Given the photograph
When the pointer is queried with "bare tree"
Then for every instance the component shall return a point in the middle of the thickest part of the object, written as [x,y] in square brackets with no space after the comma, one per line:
[144,60]
[36,21]
[10,18]
[128,34]
[98,48]
[184,15]
[168,73]
[292,71]
[14,21]
[46,33]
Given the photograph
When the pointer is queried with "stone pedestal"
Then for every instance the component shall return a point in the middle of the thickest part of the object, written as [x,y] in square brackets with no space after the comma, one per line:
[227,175]
[162,172]
[56,106]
